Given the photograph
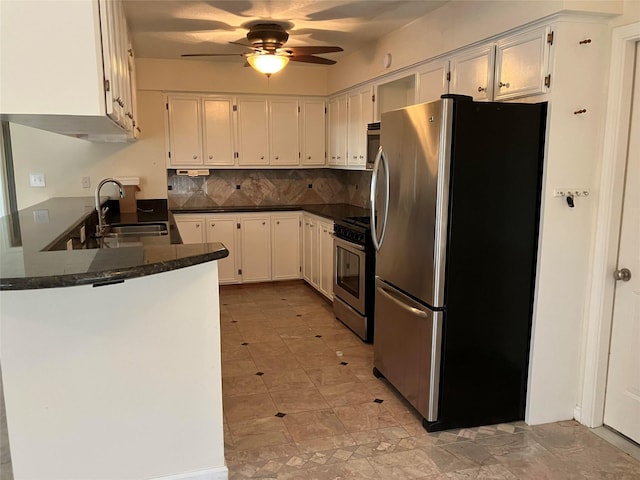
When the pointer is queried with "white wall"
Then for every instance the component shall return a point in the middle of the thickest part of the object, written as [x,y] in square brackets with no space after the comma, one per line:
[132,390]
[228,77]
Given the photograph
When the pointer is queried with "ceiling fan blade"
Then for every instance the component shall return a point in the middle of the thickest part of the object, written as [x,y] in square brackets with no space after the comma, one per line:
[311,50]
[311,59]
[212,55]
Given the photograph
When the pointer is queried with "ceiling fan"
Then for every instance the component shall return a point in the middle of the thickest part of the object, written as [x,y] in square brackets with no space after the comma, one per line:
[268,54]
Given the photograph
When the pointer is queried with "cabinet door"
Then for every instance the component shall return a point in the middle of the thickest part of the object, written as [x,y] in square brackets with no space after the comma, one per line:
[191,229]
[224,229]
[472,73]
[359,114]
[185,136]
[310,250]
[522,64]
[312,128]
[218,131]
[325,234]
[283,122]
[285,252]
[253,131]
[256,249]
[338,131]
[432,81]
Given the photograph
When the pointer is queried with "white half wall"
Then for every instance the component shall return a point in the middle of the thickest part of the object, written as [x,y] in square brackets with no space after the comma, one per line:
[115,382]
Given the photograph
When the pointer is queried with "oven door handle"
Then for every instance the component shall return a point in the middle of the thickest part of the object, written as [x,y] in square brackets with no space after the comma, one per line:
[381,158]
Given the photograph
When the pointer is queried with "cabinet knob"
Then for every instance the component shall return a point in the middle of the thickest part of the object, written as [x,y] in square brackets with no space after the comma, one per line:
[277,223]
[309,157]
[506,85]
[361,156]
[264,223]
[339,157]
[213,224]
[197,225]
[195,156]
[482,89]
[277,158]
[210,157]
[262,157]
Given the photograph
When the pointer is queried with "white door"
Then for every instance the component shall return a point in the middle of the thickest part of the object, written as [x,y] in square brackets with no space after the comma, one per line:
[285,253]
[218,131]
[622,401]
[472,73]
[253,131]
[283,121]
[185,134]
[326,258]
[191,229]
[256,249]
[432,81]
[224,230]
[312,128]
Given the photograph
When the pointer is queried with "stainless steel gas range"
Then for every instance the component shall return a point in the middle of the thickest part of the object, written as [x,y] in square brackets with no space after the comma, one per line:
[354,275]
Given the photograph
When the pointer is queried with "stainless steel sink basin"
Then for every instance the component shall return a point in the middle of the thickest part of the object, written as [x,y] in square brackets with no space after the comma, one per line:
[136,230]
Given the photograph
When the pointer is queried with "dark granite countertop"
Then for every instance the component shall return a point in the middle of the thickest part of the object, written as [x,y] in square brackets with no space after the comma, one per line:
[333,211]
[25,262]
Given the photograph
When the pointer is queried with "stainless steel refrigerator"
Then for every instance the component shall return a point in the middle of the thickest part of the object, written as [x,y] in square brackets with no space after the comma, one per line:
[455,215]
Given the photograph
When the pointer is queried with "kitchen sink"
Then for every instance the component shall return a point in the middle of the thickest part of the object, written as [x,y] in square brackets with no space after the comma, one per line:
[136,230]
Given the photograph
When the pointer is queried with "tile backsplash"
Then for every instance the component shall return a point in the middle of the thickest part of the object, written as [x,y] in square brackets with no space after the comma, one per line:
[269,187]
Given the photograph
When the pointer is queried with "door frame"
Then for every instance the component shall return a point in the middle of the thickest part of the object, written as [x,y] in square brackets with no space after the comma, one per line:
[599,307]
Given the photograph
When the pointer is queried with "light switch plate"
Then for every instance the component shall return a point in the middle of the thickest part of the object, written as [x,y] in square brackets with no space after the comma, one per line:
[37,180]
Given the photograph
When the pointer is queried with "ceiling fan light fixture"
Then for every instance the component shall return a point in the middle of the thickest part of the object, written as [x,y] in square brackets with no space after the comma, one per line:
[267,63]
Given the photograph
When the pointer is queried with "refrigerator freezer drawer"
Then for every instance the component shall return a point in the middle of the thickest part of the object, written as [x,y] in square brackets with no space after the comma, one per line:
[407,347]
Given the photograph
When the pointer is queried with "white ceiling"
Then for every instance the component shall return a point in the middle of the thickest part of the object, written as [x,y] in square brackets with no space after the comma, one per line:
[168,28]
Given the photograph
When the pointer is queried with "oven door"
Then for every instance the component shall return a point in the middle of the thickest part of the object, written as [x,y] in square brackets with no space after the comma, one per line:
[349,277]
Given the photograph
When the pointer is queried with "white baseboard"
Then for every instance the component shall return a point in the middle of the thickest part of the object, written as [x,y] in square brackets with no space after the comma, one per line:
[218,473]
[577,413]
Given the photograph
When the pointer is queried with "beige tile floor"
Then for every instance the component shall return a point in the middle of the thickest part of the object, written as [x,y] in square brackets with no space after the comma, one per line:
[300,402]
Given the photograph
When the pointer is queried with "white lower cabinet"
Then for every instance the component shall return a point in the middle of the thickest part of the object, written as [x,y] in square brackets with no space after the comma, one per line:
[256,248]
[191,228]
[326,254]
[285,246]
[317,261]
[262,246]
[224,229]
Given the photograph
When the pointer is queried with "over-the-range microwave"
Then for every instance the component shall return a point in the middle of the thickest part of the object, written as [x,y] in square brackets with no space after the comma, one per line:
[373,143]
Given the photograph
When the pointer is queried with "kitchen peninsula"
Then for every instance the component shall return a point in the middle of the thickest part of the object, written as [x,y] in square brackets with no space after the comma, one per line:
[110,356]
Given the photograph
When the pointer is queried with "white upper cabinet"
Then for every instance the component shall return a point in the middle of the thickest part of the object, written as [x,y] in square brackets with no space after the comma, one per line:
[472,73]
[338,131]
[312,132]
[185,130]
[359,114]
[283,122]
[200,131]
[218,131]
[253,131]
[65,68]
[432,81]
[522,63]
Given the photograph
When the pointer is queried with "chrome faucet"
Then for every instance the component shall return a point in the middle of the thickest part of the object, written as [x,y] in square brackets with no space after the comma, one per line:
[102,211]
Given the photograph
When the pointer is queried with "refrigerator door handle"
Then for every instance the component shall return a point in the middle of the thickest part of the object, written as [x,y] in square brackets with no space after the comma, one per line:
[403,303]
[380,158]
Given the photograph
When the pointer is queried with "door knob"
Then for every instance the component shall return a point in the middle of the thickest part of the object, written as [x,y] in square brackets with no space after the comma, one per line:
[623,274]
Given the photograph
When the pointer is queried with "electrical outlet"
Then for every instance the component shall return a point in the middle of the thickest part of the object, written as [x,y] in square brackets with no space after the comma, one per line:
[86,182]
[37,180]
